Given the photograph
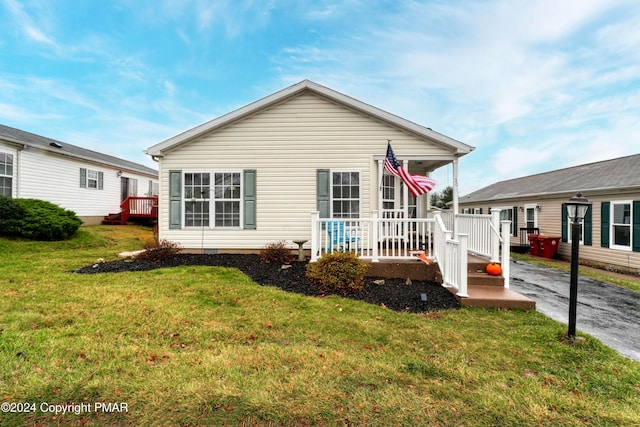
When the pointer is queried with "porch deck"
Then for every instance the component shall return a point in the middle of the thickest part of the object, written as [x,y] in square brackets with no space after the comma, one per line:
[484,291]
[134,208]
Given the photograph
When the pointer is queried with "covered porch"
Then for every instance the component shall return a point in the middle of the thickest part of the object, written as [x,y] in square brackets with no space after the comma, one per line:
[442,238]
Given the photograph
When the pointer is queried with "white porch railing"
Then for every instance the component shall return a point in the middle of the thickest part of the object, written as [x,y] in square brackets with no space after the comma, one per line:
[378,238]
[372,238]
[488,236]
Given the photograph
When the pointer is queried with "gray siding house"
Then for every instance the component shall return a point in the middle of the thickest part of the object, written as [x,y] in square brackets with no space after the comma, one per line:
[611,230]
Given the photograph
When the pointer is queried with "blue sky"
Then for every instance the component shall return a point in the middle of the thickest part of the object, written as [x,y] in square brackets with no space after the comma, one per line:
[535,85]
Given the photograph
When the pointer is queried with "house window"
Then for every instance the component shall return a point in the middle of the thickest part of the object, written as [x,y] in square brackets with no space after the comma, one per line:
[621,225]
[345,191]
[196,195]
[506,214]
[6,174]
[90,178]
[388,192]
[227,194]
[154,188]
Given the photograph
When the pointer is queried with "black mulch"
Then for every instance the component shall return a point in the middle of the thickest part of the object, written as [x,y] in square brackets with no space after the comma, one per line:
[395,294]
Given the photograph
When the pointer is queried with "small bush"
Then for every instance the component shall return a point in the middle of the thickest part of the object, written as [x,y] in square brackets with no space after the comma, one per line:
[159,251]
[338,272]
[276,253]
[37,219]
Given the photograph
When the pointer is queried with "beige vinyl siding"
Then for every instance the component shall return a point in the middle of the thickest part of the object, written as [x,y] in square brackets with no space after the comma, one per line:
[550,224]
[286,144]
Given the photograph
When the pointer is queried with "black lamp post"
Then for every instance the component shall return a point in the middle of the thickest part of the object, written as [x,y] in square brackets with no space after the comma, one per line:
[577,208]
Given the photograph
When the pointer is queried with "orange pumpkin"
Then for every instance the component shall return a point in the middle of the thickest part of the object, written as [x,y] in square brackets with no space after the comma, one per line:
[493,269]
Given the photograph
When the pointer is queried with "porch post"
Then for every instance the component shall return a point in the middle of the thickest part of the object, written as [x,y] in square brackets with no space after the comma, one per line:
[380,174]
[455,186]
[506,251]
[454,219]
[495,234]
[405,193]
[315,244]
[375,224]
[462,265]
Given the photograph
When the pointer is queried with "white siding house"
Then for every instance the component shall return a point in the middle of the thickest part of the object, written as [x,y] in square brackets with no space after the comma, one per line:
[89,183]
[256,175]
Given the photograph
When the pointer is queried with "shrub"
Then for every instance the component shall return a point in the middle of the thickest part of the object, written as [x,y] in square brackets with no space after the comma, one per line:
[159,250]
[38,220]
[11,213]
[338,272]
[276,253]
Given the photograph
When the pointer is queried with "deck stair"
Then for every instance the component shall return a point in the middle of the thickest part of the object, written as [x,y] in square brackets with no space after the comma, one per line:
[488,291]
[484,290]
[113,219]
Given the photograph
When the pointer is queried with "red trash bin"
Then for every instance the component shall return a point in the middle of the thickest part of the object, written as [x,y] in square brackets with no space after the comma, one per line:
[534,244]
[549,246]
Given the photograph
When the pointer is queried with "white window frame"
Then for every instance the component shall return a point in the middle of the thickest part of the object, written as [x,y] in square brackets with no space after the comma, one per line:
[333,199]
[581,242]
[3,170]
[197,201]
[238,199]
[92,179]
[612,224]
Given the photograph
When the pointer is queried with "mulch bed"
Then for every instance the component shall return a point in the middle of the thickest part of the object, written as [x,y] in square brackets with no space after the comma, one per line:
[395,294]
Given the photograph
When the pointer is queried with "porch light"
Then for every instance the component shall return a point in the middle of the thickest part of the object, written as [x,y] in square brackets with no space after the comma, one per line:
[577,208]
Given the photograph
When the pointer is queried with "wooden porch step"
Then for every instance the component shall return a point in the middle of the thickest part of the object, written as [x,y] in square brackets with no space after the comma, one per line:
[494,297]
[113,219]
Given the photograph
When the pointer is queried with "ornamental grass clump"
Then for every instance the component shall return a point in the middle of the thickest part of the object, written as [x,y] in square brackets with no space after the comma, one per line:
[276,253]
[338,272]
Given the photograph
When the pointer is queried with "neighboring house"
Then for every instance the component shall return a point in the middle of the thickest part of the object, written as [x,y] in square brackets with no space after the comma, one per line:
[611,230]
[255,176]
[89,183]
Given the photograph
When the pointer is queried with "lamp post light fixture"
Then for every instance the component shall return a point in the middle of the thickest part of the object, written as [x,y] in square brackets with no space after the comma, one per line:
[577,208]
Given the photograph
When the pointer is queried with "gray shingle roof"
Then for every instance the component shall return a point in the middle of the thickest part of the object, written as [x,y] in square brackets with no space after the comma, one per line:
[620,173]
[21,137]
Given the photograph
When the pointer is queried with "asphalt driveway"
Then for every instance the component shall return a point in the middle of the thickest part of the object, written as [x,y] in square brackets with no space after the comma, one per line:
[607,312]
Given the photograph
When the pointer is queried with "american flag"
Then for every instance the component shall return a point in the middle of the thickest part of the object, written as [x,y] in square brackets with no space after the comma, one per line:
[417,184]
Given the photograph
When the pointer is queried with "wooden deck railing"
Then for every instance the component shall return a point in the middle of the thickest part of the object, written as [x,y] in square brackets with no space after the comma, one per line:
[138,207]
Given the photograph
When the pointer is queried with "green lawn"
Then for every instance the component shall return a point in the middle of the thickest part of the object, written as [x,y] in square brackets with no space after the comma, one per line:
[207,346]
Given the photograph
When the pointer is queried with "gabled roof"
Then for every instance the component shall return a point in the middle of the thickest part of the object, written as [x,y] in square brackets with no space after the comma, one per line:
[20,137]
[607,175]
[457,147]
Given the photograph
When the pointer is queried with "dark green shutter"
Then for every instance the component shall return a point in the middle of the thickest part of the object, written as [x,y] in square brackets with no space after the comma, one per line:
[565,222]
[515,221]
[100,180]
[175,199]
[588,225]
[83,178]
[481,210]
[605,211]
[249,199]
[636,225]
[323,192]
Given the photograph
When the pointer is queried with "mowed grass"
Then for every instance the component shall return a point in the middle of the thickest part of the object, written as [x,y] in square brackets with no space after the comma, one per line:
[207,346]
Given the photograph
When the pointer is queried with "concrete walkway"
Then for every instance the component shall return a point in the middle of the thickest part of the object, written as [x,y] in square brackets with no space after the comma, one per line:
[607,312]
